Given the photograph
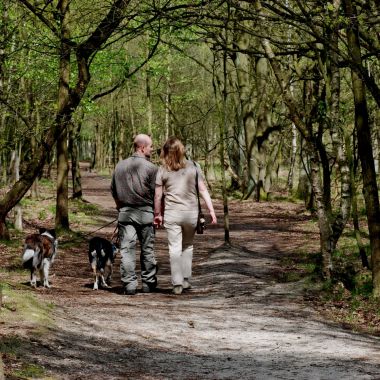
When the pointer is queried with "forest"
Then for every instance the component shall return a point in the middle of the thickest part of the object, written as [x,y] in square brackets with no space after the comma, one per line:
[266,95]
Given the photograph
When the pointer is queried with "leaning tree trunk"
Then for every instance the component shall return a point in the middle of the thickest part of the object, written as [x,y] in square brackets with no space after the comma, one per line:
[370,188]
[84,52]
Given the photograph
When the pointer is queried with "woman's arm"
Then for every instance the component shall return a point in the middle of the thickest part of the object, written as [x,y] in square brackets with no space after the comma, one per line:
[206,196]
[158,206]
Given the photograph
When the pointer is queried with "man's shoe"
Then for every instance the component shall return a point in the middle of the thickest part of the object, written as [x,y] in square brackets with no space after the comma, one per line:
[129,292]
[177,289]
[186,284]
[149,288]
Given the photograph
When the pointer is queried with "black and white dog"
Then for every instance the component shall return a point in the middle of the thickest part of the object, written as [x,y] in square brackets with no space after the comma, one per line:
[101,254]
[38,254]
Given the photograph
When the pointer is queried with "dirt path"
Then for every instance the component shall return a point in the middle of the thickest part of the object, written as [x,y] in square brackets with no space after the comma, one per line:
[237,322]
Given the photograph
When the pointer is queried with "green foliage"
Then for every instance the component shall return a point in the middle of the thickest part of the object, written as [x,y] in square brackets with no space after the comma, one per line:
[10,345]
[28,370]
[363,284]
[298,266]
[10,243]
[22,306]
[79,206]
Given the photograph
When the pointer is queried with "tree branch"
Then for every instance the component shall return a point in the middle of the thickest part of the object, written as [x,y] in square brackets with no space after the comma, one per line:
[129,75]
[40,15]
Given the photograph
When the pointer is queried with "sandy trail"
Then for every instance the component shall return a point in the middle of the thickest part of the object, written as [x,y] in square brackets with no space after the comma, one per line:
[237,322]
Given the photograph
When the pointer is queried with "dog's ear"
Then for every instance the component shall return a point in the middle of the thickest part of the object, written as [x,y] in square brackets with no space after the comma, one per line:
[41,230]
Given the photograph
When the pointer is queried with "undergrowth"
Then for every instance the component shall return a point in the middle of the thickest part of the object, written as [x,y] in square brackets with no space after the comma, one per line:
[347,297]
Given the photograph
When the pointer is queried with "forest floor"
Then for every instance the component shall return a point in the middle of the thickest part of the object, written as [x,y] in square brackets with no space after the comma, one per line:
[239,321]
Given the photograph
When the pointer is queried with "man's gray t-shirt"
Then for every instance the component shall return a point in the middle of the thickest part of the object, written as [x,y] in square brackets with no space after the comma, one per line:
[133,182]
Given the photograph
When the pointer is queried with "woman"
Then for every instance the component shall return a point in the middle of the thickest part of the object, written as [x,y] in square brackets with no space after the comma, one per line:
[176,179]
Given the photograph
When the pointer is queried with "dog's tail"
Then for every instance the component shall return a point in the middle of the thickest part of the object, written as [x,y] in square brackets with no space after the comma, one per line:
[32,258]
[28,254]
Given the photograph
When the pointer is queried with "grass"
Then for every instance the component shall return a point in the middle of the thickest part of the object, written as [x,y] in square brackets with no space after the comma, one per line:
[298,266]
[21,308]
[28,371]
[11,348]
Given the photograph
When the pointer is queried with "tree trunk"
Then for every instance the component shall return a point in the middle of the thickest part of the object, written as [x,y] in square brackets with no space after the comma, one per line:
[223,128]
[370,189]
[34,188]
[17,208]
[74,134]
[324,221]
[149,105]
[168,132]
[293,155]
[246,117]
[131,113]
[220,85]
[62,201]
[340,138]
[358,237]
[62,206]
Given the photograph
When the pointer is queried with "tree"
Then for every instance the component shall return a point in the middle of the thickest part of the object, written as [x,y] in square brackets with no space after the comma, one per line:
[370,188]
[68,97]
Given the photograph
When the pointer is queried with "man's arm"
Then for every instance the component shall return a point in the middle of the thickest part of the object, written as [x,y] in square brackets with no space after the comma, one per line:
[114,193]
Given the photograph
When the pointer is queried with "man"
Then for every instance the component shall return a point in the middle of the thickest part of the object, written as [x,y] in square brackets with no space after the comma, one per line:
[132,187]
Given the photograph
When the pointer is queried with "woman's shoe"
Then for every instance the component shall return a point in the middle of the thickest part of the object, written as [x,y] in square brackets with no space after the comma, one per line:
[177,289]
[186,284]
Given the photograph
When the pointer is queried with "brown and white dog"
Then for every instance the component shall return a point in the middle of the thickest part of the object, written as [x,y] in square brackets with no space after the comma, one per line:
[39,253]
[101,254]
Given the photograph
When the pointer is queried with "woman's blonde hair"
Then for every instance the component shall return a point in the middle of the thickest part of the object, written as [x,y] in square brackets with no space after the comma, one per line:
[173,154]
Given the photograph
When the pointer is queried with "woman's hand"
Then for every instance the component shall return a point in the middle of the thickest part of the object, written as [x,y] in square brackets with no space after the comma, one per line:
[206,196]
[213,217]
[158,207]
[157,222]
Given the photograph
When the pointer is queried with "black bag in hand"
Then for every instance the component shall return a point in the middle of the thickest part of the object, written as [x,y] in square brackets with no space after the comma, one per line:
[201,221]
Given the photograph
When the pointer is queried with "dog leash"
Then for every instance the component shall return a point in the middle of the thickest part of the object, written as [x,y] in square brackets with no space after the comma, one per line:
[115,237]
[90,233]
[106,225]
